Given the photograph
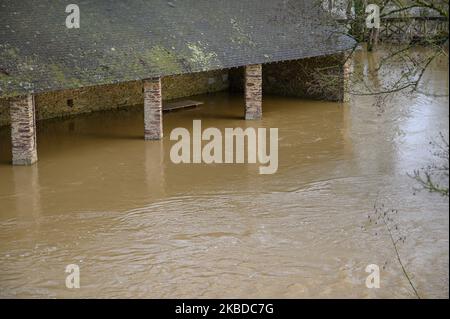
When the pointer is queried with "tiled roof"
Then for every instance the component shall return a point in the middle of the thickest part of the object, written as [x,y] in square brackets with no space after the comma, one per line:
[136,39]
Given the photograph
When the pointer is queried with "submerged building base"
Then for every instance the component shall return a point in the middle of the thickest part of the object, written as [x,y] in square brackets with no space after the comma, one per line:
[319,78]
[106,97]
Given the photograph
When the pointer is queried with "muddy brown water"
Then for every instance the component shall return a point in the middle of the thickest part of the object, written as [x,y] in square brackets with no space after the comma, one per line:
[139,226]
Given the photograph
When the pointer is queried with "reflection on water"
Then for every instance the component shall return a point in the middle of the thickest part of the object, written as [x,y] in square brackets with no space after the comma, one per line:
[139,226]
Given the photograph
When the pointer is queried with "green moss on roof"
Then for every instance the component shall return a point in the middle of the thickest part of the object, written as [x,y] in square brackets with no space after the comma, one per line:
[164,59]
[201,56]
[130,40]
[238,35]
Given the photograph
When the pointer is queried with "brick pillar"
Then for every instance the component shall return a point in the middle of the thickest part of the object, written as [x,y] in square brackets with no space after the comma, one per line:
[23,130]
[153,109]
[253,92]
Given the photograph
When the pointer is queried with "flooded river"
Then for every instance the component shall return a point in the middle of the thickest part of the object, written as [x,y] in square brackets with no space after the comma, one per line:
[138,225]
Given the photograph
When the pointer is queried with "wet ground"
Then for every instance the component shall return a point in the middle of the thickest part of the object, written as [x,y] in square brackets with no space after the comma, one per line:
[140,226]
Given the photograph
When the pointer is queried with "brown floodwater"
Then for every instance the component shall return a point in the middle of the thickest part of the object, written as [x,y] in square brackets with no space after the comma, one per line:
[140,226]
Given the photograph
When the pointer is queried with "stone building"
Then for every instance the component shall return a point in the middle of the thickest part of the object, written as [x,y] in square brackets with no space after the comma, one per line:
[144,51]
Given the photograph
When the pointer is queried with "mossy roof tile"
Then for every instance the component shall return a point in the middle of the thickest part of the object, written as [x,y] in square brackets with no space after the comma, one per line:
[136,39]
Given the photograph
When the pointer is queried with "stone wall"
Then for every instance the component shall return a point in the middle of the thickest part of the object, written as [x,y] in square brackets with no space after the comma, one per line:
[196,83]
[97,98]
[319,78]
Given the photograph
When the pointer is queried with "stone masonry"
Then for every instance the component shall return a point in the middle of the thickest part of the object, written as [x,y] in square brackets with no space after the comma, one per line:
[115,96]
[153,109]
[23,130]
[253,92]
[320,78]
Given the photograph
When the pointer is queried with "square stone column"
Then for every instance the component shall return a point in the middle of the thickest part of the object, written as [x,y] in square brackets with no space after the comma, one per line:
[23,130]
[153,109]
[253,92]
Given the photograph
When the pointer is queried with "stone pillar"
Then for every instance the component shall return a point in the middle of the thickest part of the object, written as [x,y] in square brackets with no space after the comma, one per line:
[23,130]
[153,109]
[253,92]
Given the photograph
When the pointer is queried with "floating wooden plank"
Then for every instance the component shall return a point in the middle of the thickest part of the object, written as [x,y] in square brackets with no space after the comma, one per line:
[180,104]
